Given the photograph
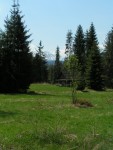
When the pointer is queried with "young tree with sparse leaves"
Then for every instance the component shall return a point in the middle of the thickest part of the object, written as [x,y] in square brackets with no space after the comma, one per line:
[71,65]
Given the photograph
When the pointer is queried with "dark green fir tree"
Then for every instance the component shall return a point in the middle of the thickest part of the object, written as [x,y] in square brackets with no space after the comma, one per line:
[57,66]
[16,61]
[95,72]
[93,61]
[90,38]
[69,43]
[1,57]
[79,51]
[40,72]
[108,59]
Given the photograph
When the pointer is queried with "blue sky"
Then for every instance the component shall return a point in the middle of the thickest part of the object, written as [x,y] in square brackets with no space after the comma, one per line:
[49,20]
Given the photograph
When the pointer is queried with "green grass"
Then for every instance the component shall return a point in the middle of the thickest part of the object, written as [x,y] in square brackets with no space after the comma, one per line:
[45,119]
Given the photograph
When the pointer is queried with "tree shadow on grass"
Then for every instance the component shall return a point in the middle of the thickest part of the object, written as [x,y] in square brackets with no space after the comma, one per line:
[85,91]
[6,113]
[30,93]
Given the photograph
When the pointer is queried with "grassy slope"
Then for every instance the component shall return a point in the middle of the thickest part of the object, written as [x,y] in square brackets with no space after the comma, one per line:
[46,119]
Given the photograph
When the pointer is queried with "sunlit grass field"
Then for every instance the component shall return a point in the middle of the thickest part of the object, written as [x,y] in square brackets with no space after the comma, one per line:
[46,119]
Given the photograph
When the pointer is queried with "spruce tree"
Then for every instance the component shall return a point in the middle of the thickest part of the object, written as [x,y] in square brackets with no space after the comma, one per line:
[16,54]
[87,43]
[51,73]
[57,66]
[1,54]
[109,59]
[40,72]
[95,72]
[93,61]
[79,51]
[90,39]
[68,51]
[69,43]
[1,41]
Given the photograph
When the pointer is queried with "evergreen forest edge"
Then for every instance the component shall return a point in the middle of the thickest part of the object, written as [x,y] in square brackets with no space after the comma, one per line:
[19,67]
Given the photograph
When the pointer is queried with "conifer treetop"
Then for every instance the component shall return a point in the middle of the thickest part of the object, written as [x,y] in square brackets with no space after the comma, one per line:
[16,4]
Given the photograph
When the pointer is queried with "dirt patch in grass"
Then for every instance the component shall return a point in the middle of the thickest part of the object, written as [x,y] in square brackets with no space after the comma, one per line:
[82,103]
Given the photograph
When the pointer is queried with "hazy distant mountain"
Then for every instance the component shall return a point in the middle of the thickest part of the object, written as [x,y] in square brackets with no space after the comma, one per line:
[50,62]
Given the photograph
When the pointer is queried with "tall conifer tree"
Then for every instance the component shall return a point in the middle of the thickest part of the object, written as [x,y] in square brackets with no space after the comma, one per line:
[93,65]
[69,43]
[95,72]
[79,51]
[109,59]
[16,54]
[1,56]
[68,51]
[57,66]
[90,39]
[39,66]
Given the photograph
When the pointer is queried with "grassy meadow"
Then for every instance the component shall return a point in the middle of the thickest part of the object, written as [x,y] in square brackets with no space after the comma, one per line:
[46,119]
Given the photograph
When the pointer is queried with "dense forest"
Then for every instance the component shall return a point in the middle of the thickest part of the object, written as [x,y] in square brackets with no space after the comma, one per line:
[19,67]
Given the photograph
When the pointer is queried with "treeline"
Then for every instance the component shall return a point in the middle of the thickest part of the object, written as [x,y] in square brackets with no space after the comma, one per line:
[19,67]
[95,66]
